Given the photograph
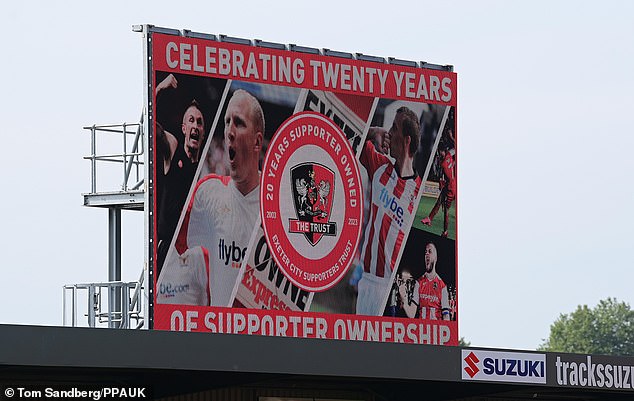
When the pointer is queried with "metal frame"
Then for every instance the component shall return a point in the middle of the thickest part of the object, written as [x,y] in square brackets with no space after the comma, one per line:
[148,29]
[130,195]
[128,160]
[119,314]
[148,110]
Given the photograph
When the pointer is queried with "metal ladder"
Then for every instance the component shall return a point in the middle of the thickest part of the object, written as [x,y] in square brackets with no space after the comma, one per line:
[112,304]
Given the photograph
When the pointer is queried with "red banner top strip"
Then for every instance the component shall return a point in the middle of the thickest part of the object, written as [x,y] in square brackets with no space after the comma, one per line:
[282,67]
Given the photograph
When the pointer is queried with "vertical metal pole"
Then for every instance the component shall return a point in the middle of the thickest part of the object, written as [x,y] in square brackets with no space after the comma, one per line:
[74,315]
[93,160]
[64,308]
[125,319]
[125,159]
[91,306]
[133,156]
[147,120]
[114,262]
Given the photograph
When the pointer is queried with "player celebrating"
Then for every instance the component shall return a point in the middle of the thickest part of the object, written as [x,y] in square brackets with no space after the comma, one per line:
[447,190]
[394,189]
[221,215]
[175,175]
[431,298]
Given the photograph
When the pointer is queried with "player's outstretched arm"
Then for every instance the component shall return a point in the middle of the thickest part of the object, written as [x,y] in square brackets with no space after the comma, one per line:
[169,82]
[166,144]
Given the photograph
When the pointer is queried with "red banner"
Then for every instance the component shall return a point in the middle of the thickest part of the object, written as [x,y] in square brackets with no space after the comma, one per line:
[307,325]
[279,67]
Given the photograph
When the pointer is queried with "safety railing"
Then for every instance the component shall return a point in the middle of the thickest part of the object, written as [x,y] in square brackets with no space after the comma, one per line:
[113,304]
[129,153]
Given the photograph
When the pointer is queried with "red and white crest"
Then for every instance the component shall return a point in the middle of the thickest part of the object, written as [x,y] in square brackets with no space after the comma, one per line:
[311,201]
[312,188]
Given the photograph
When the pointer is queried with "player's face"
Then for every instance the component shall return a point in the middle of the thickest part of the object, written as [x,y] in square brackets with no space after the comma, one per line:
[398,143]
[193,128]
[430,257]
[241,139]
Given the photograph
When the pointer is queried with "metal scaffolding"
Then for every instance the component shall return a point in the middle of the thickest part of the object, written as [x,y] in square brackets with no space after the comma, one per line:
[114,304]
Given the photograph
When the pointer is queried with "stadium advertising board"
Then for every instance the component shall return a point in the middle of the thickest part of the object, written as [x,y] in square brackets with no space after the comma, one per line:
[503,366]
[299,194]
[551,369]
[591,371]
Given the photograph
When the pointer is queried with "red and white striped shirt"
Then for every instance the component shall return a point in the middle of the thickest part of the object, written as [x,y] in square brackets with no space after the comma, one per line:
[392,210]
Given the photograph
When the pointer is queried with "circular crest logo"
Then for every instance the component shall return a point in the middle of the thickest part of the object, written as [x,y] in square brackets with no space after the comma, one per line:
[311,201]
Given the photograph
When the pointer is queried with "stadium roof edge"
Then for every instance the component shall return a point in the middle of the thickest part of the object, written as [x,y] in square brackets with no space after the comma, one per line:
[39,349]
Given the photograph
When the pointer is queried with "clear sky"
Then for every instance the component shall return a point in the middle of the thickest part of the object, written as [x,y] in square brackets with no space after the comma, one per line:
[545,136]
